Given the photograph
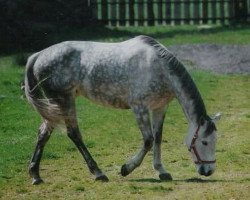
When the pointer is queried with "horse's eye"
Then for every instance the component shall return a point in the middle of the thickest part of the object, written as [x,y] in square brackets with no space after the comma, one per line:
[204,143]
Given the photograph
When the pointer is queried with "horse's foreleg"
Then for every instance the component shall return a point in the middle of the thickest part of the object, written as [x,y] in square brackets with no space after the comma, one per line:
[75,135]
[157,120]
[143,120]
[44,133]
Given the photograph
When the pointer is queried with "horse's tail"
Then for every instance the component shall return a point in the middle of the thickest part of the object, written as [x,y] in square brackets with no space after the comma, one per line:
[36,95]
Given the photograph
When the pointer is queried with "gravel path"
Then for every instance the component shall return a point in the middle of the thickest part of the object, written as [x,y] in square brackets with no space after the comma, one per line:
[217,58]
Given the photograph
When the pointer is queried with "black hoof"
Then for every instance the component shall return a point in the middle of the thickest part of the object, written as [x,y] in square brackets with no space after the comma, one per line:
[124,170]
[37,181]
[102,178]
[166,177]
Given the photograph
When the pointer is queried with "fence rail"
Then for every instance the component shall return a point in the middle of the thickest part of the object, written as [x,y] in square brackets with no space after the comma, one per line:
[152,12]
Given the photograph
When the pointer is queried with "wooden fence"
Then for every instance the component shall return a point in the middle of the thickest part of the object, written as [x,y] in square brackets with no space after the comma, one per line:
[153,12]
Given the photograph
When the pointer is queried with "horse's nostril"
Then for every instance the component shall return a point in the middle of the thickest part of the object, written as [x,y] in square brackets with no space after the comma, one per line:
[208,173]
[202,171]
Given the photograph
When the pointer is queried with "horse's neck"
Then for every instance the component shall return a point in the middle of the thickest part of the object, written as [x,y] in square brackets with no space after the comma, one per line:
[188,96]
[181,82]
[187,105]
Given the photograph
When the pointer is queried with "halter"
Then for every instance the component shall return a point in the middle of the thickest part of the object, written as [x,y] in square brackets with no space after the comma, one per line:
[192,147]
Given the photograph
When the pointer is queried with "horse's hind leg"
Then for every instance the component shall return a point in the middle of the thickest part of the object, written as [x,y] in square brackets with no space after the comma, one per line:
[143,120]
[75,135]
[44,133]
[157,120]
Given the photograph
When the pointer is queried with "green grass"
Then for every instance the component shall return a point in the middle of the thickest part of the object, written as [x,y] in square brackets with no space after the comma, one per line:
[112,137]
[168,35]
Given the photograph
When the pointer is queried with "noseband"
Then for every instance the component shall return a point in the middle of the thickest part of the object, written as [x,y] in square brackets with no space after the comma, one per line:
[192,147]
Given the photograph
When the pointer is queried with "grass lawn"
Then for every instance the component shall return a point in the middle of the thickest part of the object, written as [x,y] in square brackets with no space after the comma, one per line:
[112,135]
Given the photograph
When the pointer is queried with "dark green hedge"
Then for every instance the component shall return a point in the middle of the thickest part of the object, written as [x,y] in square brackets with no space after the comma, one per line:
[27,23]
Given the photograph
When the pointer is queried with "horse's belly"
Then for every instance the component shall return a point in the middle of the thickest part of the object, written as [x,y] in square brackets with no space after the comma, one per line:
[106,100]
[106,95]
[159,103]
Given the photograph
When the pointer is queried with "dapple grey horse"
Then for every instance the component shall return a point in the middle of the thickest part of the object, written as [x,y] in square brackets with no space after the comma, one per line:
[138,74]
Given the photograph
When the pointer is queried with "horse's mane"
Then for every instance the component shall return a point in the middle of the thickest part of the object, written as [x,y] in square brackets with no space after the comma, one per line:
[177,69]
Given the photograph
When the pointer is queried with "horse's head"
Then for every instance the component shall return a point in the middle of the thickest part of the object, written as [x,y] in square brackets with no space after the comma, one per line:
[201,143]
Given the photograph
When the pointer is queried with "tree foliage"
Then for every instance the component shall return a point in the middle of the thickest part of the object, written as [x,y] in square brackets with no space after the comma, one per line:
[24,22]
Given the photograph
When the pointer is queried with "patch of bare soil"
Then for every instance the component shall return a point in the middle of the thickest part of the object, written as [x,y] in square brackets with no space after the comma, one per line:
[227,59]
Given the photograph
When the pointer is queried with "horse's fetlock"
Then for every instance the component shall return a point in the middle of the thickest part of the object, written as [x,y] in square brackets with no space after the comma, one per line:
[93,168]
[157,166]
[32,167]
[102,178]
[124,170]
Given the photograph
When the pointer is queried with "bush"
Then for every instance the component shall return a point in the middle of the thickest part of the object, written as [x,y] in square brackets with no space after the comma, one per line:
[27,23]
[20,59]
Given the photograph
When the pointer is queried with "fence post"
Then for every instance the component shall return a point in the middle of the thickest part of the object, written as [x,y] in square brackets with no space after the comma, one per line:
[248,10]
[104,9]
[240,10]
[204,12]
[151,18]
[94,10]
[122,13]
[140,12]
[131,12]
[187,11]
[222,12]
[168,11]
[244,10]
[196,12]
[213,12]
[159,11]
[177,12]
[113,12]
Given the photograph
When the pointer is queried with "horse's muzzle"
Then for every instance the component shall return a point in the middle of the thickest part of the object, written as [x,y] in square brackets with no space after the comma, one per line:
[204,171]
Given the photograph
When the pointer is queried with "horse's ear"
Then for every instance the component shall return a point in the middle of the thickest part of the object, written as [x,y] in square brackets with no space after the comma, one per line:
[216,117]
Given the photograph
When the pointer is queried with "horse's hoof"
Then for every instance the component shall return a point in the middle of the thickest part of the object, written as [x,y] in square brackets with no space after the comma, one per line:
[124,170]
[37,181]
[102,178]
[166,177]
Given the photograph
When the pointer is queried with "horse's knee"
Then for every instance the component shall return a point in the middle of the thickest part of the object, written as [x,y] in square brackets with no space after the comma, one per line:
[148,143]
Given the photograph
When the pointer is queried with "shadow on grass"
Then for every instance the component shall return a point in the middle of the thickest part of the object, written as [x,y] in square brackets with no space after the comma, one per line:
[200,180]
[146,180]
[190,180]
[5,177]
